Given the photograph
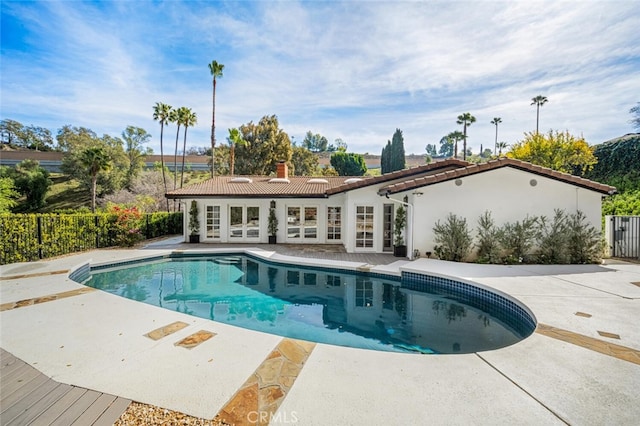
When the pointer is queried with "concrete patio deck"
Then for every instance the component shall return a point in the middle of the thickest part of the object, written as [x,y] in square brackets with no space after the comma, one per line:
[581,366]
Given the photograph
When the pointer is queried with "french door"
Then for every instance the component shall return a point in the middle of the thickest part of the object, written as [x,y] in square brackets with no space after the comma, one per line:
[364,227]
[302,223]
[244,223]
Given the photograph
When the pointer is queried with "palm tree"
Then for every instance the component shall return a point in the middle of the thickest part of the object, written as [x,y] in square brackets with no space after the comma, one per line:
[496,121]
[235,139]
[96,160]
[538,101]
[189,119]
[161,113]
[455,136]
[175,117]
[466,120]
[216,71]
[501,146]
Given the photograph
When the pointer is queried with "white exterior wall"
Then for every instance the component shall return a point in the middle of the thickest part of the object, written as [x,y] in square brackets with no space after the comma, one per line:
[506,193]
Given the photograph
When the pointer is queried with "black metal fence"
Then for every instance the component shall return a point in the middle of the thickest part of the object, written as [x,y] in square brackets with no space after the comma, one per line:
[29,237]
[625,236]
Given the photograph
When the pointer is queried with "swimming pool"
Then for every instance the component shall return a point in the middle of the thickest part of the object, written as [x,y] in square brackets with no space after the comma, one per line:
[412,313]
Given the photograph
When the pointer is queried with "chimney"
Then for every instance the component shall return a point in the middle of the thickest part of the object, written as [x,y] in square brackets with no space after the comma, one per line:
[282,170]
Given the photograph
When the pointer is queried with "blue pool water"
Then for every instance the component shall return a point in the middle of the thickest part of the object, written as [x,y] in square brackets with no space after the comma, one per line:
[359,310]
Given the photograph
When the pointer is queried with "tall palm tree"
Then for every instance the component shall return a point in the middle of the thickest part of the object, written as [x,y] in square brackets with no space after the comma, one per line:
[216,72]
[189,120]
[501,146]
[235,139]
[466,120]
[455,136]
[538,101]
[496,121]
[96,160]
[161,113]
[176,116]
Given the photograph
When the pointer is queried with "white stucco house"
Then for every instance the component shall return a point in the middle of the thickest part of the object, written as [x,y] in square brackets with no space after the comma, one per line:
[358,212]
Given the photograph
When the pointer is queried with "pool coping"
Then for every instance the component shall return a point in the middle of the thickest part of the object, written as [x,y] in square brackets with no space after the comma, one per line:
[530,388]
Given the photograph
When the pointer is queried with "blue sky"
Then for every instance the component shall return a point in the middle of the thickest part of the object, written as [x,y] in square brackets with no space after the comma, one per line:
[349,70]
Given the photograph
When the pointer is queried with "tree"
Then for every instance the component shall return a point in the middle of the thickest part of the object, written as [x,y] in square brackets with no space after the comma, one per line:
[134,138]
[37,138]
[397,151]
[266,145]
[501,146]
[446,146]
[635,121]
[455,137]
[348,164]
[175,116]
[618,163]
[339,144]
[393,157]
[431,150]
[71,139]
[496,121]
[235,139]
[33,182]
[538,101]
[161,113]
[556,150]
[189,119]
[216,72]
[385,158]
[304,162]
[96,160]
[315,143]
[75,140]
[466,120]
[10,131]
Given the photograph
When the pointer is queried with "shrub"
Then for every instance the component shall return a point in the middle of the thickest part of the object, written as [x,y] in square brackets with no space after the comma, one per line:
[126,225]
[517,239]
[585,244]
[488,244]
[453,239]
[553,239]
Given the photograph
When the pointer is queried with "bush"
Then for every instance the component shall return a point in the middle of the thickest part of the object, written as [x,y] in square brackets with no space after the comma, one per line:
[488,244]
[29,237]
[126,225]
[453,239]
[585,243]
[517,239]
[553,239]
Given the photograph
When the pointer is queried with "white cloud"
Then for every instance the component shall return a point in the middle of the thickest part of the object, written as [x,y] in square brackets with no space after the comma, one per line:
[352,70]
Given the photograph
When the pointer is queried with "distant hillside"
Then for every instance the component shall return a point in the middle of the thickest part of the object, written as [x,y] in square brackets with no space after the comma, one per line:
[618,162]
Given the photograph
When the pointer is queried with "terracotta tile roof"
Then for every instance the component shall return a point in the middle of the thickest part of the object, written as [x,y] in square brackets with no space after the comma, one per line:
[259,187]
[299,186]
[435,167]
[407,179]
[472,169]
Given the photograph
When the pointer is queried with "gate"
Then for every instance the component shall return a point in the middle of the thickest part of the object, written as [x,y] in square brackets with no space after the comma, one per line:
[623,236]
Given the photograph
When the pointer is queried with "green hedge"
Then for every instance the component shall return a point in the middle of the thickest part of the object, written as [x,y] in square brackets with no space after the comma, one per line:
[28,237]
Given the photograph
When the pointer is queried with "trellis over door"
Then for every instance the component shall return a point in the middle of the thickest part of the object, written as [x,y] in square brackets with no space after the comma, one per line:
[244,223]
